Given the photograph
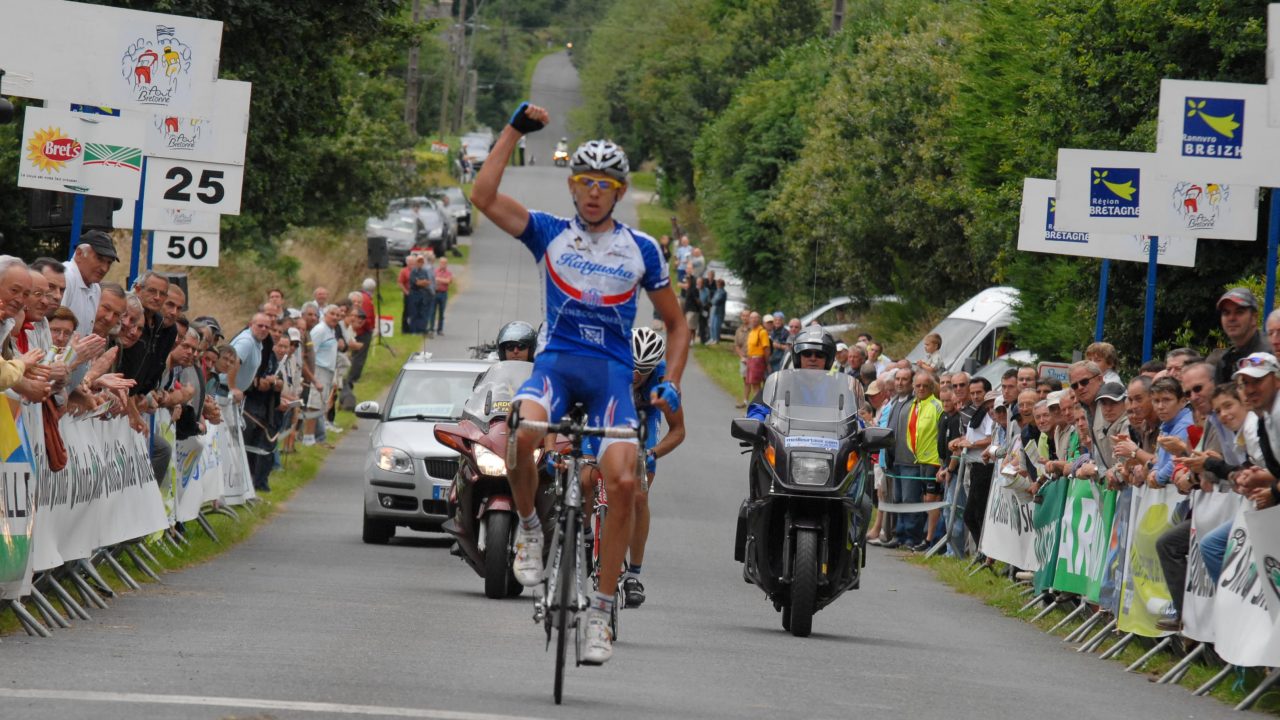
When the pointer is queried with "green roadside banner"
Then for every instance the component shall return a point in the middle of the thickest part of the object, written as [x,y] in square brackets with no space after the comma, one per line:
[1047,524]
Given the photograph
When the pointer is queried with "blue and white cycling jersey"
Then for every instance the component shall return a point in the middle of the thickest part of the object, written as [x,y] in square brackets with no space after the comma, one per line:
[591,285]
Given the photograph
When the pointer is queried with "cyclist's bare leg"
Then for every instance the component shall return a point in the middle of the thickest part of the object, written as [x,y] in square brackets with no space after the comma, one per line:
[640,526]
[524,477]
[618,466]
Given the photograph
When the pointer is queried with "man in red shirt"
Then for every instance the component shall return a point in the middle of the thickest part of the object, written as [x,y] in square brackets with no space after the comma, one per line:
[443,279]
[403,281]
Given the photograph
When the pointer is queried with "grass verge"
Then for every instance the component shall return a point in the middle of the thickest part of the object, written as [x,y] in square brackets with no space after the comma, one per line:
[299,469]
[721,363]
[999,593]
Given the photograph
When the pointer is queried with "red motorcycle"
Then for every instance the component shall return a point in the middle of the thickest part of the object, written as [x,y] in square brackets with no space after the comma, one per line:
[483,514]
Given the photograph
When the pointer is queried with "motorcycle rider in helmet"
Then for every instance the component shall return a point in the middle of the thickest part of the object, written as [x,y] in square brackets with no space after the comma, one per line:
[563,145]
[813,349]
[517,340]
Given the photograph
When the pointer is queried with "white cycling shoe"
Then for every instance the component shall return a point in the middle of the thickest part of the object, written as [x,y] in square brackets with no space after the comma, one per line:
[597,641]
[527,565]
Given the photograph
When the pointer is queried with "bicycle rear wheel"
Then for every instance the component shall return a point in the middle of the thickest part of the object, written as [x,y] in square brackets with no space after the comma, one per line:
[566,595]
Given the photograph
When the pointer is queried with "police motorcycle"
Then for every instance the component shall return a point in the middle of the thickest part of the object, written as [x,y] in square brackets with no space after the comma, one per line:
[801,533]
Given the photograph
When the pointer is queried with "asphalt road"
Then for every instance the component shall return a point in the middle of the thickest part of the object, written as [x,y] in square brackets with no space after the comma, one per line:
[305,621]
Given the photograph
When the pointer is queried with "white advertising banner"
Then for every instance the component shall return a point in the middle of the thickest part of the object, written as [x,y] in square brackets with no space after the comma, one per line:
[108,56]
[1122,192]
[185,248]
[189,185]
[189,460]
[66,151]
[1038,231]
[1244,631]
[1217,131]
[1264,533]
[237,483]
[1008,534]
[18,473]
[106,494]
[216,137]
[1208,512]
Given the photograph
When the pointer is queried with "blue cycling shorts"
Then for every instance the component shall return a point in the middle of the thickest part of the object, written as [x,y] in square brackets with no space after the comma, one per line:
[602,385]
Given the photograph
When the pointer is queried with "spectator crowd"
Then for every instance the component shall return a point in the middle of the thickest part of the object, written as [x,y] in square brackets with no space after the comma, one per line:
[76,343]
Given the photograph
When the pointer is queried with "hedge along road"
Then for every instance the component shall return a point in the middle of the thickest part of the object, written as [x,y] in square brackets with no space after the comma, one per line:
[303,620]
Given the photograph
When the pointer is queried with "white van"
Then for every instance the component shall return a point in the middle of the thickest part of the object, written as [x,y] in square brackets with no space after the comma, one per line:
[975,333]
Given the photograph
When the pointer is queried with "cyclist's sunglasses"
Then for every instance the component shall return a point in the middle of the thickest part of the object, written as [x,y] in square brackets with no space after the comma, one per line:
[587,182]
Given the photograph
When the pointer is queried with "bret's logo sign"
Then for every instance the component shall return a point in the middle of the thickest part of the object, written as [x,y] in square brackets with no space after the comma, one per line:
[1213,127]
[1114,192]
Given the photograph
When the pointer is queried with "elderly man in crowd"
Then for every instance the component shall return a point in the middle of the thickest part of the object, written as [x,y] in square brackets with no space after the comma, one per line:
[325,340]
[84,274]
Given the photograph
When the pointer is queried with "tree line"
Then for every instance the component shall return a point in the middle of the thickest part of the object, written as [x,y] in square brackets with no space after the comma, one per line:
[888,158]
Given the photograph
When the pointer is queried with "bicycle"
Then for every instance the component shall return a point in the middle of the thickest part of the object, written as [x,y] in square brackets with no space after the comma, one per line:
[564,581]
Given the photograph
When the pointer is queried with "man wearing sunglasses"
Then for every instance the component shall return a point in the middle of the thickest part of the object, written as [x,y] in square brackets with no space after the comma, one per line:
[594,268]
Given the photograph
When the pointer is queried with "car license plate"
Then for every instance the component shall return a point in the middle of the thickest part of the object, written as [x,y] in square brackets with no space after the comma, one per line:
[440,492]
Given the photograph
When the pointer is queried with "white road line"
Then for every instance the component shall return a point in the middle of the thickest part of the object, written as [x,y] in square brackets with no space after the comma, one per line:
[251,703]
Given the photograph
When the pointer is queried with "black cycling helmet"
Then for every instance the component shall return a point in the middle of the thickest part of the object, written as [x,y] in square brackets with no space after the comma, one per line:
[517,333]
[810,339]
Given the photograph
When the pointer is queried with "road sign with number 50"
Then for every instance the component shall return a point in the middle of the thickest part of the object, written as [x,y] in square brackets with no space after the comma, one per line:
[185,185]
[185,248]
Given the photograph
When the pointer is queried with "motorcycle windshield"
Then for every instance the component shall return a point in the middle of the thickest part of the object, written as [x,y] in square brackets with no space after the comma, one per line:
[495,390]
[811,396]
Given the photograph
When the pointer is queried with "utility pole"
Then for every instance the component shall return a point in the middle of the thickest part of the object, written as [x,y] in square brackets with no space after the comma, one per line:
[837,17]
[447,81]
[411,77]
[465,54]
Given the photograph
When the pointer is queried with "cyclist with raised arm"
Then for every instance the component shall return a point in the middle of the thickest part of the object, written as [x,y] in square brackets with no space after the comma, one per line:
[593,268]
[656,401]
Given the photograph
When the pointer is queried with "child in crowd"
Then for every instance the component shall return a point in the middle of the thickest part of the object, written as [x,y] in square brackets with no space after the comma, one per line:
[932,358]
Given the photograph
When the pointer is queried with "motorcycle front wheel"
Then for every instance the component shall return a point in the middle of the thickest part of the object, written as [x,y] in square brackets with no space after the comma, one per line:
[499,536]
[804,584]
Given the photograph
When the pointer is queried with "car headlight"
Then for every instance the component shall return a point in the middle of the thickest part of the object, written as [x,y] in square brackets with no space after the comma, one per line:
[809,470]
[489,463]
[394,460]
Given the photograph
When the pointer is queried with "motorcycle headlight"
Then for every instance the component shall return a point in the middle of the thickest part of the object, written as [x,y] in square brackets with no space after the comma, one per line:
[435,234]
[810,470]
[489,463]
[394,460]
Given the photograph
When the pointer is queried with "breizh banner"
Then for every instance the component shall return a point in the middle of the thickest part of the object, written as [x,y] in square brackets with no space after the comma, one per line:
[1117,192]
[109,57]
[1218,131]
[1039,231]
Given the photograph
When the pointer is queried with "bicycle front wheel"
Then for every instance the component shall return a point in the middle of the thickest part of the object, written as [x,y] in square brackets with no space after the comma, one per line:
[566,595]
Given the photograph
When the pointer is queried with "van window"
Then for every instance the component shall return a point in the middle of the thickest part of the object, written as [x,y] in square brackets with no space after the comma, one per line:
[838,315]
[996,344]
[956,335]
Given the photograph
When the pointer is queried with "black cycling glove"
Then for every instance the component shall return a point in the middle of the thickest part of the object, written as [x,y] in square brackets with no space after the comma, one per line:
[523,123]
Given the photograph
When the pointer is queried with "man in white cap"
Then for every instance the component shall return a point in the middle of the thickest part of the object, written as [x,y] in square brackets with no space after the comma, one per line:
[842,357]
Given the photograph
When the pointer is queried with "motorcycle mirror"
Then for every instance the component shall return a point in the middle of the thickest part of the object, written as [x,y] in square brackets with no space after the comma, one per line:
[369,410]
[746,429]
[488,403]
[875,438]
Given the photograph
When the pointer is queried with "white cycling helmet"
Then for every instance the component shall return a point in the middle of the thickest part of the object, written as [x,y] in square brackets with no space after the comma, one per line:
[600,156]
[647,349]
